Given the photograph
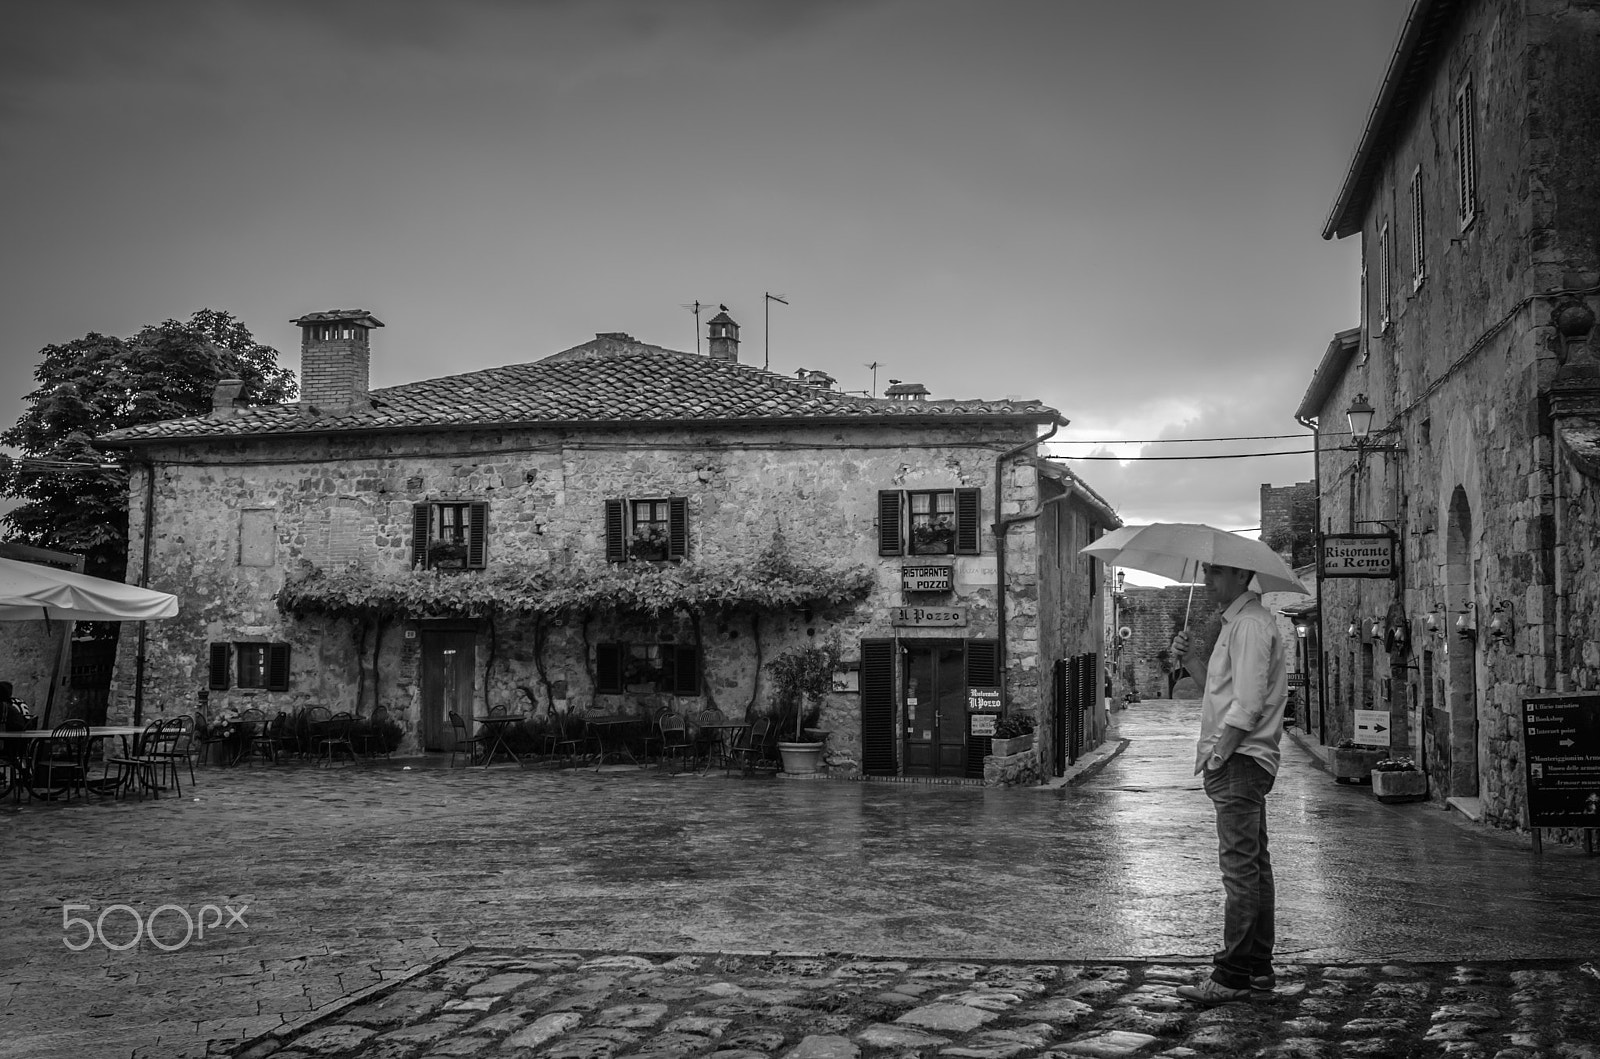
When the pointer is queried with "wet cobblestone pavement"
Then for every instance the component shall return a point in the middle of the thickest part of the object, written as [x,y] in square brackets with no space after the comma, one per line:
[584,1006]
[351,881]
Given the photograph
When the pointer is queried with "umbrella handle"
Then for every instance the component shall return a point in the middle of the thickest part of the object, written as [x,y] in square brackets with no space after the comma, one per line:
[1189,604]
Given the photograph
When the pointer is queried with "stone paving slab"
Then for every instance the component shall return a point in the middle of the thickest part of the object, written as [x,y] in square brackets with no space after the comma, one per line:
[606,1005]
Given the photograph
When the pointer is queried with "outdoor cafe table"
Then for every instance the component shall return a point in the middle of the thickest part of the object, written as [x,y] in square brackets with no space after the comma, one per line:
[608,734]
[497,723]
[722,738]
[18,773]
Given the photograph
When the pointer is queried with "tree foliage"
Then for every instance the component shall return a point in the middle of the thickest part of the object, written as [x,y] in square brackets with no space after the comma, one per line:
[99,383]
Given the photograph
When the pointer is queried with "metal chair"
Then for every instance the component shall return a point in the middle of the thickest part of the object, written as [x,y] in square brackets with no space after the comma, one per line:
[575,737]
[138,769]
[675,740]
[336,737]
[373,738]
[60,762]
[464,744]
[749,748]
[171,744]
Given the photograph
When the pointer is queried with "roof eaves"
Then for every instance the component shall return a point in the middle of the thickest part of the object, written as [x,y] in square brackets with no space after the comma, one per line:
[1329,371]
[1412,60]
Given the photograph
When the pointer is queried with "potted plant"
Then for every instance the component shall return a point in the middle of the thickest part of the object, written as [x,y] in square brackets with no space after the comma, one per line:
[447,555]
[1398,780]
[933,538]
[801,676]
[1353,763]
[1012,735]
[649,543]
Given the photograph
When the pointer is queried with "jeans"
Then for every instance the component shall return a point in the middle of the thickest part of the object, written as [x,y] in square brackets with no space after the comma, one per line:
[1239,791]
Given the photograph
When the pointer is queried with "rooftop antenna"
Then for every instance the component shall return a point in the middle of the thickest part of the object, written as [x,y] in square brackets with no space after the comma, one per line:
[696,306]
[874,366]
[766,314]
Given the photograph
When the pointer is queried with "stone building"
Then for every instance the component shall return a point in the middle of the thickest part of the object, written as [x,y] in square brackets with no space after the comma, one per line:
[1473,193]
[618,526]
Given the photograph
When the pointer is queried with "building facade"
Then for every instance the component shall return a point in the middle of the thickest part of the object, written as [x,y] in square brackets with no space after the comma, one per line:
[615,527]
[1472,191]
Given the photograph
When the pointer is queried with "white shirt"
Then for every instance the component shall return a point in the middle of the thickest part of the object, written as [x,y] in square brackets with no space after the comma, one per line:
[1247,684]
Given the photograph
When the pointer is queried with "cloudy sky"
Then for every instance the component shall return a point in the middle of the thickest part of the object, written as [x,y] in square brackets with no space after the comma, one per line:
[1114,207]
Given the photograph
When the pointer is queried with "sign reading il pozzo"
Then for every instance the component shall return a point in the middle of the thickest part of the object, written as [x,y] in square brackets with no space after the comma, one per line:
[938,577]
[1358,555]
[928,617]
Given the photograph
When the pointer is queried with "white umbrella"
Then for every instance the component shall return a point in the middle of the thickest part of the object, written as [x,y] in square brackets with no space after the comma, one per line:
[1176,550]
[31,591]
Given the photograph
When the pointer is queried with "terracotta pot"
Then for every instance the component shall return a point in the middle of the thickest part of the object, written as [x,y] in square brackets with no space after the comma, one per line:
[800,758]
[1391,787]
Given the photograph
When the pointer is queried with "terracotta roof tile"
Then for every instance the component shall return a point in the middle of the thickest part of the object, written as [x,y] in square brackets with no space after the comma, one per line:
[609,379]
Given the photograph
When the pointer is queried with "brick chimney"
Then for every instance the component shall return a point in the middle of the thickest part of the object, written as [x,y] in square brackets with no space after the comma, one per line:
[724,343]
[334,358]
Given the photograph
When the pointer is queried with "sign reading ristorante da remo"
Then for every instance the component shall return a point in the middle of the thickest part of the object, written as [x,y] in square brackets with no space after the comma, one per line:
[1358,555]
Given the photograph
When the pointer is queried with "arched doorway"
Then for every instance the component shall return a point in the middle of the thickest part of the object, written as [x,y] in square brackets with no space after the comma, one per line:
[1454,750]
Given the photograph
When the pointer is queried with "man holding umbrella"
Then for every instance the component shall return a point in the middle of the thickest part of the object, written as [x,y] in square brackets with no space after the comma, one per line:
[1241,722]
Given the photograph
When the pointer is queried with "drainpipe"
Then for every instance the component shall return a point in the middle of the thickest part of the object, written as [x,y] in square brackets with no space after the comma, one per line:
[1001,527]
[1558,547]
[144,582]
[1322,668]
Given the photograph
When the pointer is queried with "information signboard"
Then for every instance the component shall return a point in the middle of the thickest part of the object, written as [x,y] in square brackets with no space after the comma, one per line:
[938,577]
[1372,728]
[1561,755]
[983,723]
[1358,555]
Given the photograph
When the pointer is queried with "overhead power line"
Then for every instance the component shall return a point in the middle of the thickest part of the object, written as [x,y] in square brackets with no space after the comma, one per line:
[1214,456]
[1175,441]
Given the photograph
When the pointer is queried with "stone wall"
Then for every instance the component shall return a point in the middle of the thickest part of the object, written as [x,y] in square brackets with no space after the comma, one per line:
[1459,373]
[1289,521]
[1156,615]
[331,503]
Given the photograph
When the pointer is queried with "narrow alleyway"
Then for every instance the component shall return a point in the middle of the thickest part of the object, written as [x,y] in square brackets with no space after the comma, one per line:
[352,876]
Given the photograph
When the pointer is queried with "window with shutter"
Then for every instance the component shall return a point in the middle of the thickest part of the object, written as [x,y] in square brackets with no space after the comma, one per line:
[889,538]
[278,667]
[251,665]
[608,659]
[450,535]
[677,528]
[983,671]
[680,670]
[221,656]
[877,708]
[969,521]
[1466,156]
[616,533]
[1419,259]
[1385,284]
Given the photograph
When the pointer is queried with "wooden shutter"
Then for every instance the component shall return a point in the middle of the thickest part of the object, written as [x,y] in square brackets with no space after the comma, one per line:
[277,667]
[477,534]
[677,528]
[983,671]
[680,669]
[608,668]
[890,539]
[420,522]
[221,667]
[616,535]
[969,521]
[877,708]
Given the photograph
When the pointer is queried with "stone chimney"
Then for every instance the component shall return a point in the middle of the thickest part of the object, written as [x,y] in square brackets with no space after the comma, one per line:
[724,337]
[906,391]
[225,398]
[334,359]
[815,377]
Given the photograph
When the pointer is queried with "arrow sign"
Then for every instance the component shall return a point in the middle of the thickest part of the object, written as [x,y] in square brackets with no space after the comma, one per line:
[1567,742]
[1372,727]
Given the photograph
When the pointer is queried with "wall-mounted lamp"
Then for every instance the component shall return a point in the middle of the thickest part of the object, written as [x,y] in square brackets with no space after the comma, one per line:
[1377,628]
[1434,626]
[1301,629]
[1360,415]
[1467,623]
[1500,626]
[1353,631]
[1122,579]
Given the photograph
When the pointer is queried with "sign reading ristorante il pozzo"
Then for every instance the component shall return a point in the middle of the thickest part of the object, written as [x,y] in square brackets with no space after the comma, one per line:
[1358,555]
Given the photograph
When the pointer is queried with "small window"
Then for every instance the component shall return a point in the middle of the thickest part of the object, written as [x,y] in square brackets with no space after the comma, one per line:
[1419,259]
[249,665]
[652,529]
[672,669]
[1466,155]
[449,535]
[929,522]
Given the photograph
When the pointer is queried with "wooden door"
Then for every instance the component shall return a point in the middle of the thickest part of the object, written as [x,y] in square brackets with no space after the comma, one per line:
[447,665]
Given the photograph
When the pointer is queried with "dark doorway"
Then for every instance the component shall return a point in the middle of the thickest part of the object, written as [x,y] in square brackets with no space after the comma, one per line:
[447,661]
[935,687]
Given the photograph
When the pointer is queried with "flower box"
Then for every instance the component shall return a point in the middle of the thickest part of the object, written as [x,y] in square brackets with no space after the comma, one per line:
[1014,745]
[1354,764]
[1399,786]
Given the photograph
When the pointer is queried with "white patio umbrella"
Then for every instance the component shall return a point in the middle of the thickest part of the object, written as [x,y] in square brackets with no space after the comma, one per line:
[31,591]
[1176,550]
